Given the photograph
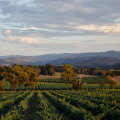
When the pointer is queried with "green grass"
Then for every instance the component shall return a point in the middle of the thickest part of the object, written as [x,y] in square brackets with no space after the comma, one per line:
[52,86]
[54,80]
[97,86]
[94,80]
[88,80]
[6,85]
[57,83]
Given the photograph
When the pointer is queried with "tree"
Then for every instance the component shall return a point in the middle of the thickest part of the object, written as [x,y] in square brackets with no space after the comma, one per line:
[33,79]
[36,70]
[51,70]
[30,77]
[112,81]
[24,80]
[20,75]
[68,73]
[43,70]
[77,84]
[48,69]
[11,78]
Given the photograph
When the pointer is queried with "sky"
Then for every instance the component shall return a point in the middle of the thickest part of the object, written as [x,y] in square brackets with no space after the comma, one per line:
[35,27]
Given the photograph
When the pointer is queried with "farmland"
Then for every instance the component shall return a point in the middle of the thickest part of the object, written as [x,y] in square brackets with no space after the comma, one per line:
[58,84]
[53,99]
[28,95]
[88,83]
[88,80]
[60,105]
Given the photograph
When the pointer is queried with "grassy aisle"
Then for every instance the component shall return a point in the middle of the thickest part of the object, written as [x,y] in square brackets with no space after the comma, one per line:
[64,117]
[10,104]
[41,109]
[30,114]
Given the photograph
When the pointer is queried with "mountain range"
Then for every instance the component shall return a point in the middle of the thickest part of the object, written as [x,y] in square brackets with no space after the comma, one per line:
[76,59]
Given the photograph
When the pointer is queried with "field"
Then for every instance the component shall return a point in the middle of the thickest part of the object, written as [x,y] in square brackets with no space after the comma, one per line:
[53,99]
[60,105]
[91,82]
[87,80]
[58,84]
[52,86]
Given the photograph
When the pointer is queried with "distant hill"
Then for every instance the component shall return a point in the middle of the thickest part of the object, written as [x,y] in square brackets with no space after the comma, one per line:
[10,56]
[81,59]
[86,61]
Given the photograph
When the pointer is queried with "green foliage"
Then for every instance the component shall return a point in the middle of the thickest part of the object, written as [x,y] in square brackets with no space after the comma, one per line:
[66,108]
[52,80]
[45,110]
[20,75]
[52,86]
[112,80]
[68,73]
[48,69]
[6,85]
[94,80]
[9,102]
[102,85]
[17,112]
[99,104]
[77,84]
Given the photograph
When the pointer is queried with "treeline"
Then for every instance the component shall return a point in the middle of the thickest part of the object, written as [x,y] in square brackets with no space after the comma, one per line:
[19,75]
[51,69]
[47,69]
[97,72]
[115,66]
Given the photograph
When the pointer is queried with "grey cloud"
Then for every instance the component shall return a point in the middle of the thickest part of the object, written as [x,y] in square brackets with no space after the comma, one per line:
[55,19]
[46,12]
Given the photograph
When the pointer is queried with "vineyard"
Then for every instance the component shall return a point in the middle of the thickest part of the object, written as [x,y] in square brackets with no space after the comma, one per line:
[55,99]
[53,86]
[60,105]
[87,80]
[58,84]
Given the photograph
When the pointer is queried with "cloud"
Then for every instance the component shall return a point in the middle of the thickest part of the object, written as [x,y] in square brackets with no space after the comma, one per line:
[74,7]
[59,23]
[24,29]
[28,3]
[110,29]
[6,32]
[23,40]
[30,28]
[57,14]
